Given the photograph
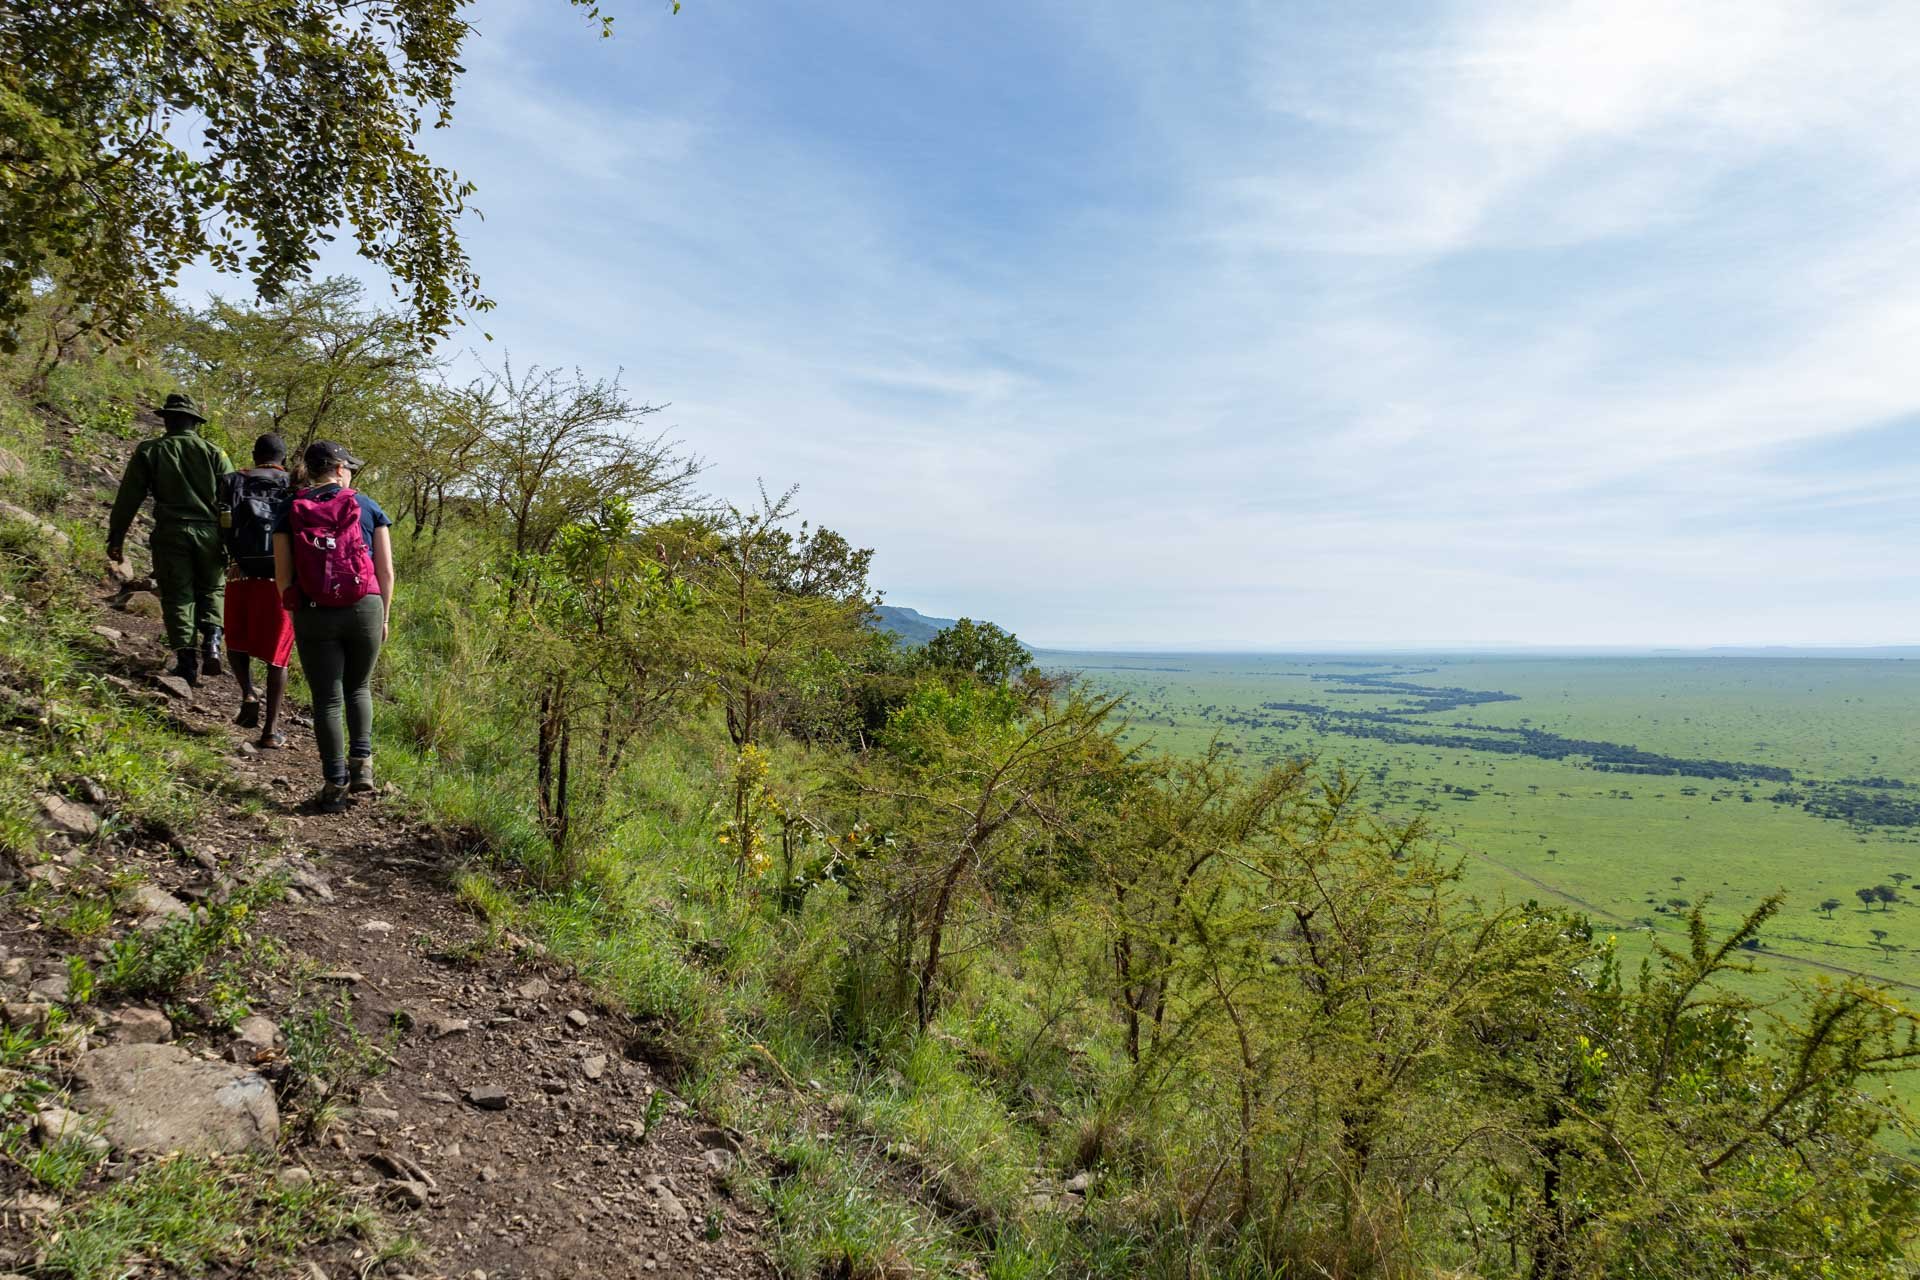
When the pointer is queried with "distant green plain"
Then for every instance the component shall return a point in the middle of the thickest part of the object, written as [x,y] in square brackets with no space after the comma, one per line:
[1624,847]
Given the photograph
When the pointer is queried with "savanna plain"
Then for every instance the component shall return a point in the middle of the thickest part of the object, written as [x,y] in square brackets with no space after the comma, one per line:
[1628,788]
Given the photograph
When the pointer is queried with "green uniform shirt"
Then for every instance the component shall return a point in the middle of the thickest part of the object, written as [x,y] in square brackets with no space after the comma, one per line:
[182,471]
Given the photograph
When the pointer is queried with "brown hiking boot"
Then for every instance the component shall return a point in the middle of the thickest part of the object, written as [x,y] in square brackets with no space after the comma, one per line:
[360,775]
[332,799]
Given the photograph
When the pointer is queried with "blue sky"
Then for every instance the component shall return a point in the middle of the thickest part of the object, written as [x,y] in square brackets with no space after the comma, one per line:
[1254,325]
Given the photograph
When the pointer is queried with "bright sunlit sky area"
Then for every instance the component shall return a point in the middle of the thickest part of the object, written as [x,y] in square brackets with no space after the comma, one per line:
[1246,326]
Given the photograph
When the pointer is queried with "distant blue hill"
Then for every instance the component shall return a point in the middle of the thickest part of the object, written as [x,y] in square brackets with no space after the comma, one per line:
[910,625]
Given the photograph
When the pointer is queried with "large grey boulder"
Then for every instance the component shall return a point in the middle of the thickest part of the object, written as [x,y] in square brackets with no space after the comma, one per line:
[160,1098]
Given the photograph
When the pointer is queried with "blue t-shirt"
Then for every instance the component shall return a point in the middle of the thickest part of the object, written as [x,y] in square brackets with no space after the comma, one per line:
[371,516]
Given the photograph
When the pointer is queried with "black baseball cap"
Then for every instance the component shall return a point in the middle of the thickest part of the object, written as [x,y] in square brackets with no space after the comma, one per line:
[324,455]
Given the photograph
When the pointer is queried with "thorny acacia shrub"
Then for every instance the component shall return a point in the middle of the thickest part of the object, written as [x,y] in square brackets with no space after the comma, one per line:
[1351,1066]
[979,785]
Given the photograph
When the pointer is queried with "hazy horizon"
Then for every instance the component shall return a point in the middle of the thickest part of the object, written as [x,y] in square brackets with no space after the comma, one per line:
[1516,650]
[1462,650]
[1338,649]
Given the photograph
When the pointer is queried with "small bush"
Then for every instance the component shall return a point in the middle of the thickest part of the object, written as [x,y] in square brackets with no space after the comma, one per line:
[158,963]
[328,1060]
[327,1053]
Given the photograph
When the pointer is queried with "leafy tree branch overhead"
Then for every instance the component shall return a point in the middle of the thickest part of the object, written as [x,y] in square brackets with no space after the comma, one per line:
[137,138]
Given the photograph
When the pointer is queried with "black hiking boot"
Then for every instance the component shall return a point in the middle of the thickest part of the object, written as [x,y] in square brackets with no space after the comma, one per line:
[186,665]
[210,651]
[332,799]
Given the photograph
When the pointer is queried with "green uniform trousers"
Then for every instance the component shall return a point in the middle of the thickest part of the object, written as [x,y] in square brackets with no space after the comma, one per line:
[190,568]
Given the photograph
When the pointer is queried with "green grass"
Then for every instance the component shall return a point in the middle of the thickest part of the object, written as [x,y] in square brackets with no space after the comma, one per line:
[60,1166]
[79,724]
[27,1083]
[80,918]
[829,1219]
[954,1130]
[190,1216]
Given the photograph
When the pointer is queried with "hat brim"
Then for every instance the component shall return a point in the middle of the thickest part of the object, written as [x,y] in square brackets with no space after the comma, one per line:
[191,415]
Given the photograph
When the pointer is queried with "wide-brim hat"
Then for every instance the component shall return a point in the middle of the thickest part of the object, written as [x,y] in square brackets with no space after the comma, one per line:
[181,405]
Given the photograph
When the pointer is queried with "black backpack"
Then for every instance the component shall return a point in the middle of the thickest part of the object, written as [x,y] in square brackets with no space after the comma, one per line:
[251,502]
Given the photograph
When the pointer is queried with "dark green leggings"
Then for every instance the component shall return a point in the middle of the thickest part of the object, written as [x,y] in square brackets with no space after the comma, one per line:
[338,648]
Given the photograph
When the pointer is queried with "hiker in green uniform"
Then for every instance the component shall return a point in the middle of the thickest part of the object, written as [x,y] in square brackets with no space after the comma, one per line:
[182,471]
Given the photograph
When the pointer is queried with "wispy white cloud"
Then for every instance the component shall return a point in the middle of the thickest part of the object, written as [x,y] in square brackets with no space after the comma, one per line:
[1492,321]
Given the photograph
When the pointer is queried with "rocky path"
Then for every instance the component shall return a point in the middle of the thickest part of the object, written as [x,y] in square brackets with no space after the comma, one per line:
[489,1109]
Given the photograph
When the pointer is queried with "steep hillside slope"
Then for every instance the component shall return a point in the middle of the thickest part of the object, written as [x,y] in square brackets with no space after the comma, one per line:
[379,1082]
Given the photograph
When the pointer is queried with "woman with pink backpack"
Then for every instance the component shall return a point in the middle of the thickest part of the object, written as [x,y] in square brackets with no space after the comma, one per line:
[333,560]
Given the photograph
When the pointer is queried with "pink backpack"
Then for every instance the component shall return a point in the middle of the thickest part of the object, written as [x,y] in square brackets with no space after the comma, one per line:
[331,562]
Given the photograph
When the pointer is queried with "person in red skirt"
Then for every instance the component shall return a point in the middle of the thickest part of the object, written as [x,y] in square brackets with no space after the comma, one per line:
[258,624]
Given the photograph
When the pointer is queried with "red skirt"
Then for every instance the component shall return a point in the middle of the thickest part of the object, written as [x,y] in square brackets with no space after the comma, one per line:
[258,625]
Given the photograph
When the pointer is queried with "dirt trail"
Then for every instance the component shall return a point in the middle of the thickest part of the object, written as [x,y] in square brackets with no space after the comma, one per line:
[564,1172]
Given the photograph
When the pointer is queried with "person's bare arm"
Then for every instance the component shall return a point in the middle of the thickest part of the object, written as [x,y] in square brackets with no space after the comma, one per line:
[383,570]
[282,562]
